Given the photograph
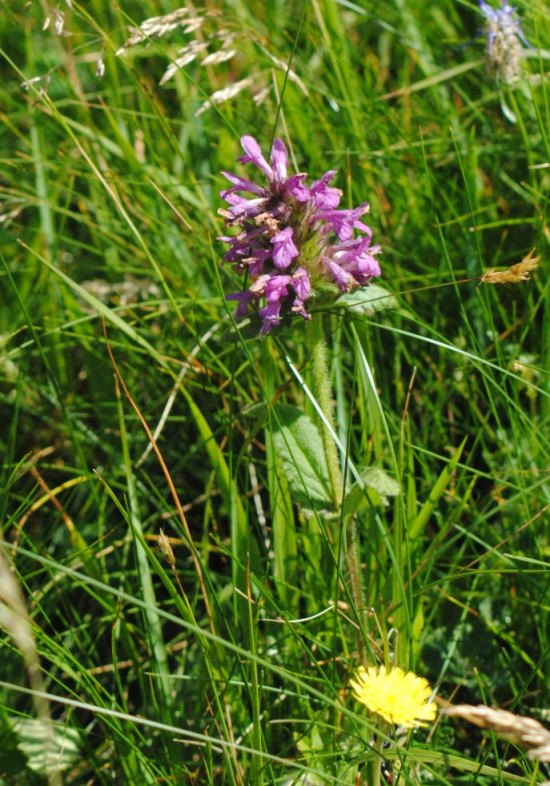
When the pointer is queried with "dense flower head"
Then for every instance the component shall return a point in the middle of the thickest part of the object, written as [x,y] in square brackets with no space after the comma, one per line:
[397,696]
[504,41]
[293,239]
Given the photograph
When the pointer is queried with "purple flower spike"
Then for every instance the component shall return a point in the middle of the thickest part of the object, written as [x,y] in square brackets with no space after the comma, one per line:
[504,40]
[293,241]
[284,249]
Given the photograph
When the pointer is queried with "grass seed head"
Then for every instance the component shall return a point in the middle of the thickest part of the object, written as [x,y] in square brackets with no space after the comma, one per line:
[517,728]
[515,274]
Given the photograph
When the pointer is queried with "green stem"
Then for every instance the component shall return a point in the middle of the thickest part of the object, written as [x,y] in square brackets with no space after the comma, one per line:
[322,386]
[376,764]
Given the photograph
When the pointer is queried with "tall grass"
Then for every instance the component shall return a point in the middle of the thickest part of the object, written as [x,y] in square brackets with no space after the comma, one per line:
[223,654]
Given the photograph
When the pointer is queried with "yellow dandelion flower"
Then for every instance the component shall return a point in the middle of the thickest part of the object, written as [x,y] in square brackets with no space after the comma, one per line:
[397,696]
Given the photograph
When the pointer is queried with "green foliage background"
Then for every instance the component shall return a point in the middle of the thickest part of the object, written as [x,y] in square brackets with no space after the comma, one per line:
[233,666]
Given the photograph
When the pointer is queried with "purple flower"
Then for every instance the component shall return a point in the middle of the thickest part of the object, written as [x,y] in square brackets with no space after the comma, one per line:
[284,249]
[504,34]
[293,241]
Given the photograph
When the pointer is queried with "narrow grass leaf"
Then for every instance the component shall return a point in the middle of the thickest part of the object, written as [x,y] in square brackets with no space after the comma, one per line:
[450,759]
[109,315]
[240,531]
[438,489]
[153,622]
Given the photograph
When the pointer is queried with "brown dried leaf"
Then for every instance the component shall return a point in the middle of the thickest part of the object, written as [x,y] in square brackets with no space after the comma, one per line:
[514,274]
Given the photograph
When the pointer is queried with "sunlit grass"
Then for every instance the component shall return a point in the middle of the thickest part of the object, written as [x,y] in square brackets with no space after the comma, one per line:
[232,663]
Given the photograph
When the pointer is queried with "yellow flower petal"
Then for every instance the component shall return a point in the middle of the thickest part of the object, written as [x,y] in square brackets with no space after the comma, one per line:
[397,696]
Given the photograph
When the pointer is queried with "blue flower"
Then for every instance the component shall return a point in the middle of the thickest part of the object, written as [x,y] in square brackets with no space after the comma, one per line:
[504,39]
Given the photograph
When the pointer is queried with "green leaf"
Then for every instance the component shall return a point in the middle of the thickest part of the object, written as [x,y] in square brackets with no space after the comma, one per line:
[246,328]
[49,747]
[443,760]
[374,489]
[378,479]
[299,445]
[12,760]
[243,551]
[257,413]
[366,301]
[420,521]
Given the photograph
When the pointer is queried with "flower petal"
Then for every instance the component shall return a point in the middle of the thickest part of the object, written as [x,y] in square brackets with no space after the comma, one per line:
[397,696]
[254,155]
[284,249]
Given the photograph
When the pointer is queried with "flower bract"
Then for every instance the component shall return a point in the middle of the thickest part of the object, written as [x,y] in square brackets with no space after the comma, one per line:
[293,241]
[397,696]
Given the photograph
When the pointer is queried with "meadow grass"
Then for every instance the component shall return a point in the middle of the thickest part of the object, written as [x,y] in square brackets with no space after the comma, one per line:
[185,614]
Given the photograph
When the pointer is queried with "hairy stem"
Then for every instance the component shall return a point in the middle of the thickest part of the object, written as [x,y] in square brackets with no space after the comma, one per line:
[322,385]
